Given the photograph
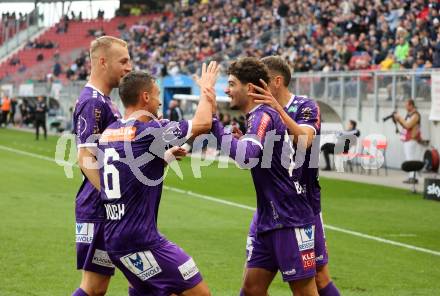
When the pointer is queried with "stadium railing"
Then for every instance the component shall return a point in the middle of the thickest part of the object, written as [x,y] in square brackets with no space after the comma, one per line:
[378,88]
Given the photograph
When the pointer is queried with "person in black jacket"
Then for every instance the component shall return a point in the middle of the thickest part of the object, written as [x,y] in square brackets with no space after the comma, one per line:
[329,148]
[40,117]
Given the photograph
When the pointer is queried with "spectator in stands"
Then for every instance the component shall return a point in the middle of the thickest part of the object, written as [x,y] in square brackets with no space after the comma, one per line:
[436,54]
[57,69]
[402,49]
[320,35]
[343,139]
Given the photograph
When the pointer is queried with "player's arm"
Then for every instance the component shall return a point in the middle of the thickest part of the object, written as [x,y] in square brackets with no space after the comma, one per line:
[298,131]
[89,165]
[88,124]
[252,142]
[202,121]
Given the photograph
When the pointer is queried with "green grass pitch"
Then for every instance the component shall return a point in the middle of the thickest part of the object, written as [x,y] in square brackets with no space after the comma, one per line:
[37,228]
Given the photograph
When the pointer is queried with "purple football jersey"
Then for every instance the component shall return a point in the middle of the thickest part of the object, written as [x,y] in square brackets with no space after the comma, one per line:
[306,112]
[131,154]
[281,201]
[93,113]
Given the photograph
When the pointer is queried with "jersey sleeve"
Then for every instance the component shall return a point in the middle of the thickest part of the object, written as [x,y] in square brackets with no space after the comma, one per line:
[309,115]
[89,123]
[252,142]
[176,130]
[258,124]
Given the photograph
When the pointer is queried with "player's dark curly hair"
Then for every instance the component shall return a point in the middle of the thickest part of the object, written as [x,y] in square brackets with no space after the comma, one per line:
[249,70]
[132,84]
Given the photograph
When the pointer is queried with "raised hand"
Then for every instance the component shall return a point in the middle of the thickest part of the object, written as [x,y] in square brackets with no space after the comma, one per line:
[264,96]
[208,76]
[210,95]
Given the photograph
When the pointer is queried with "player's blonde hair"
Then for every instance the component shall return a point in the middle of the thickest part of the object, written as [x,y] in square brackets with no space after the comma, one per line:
[104,43]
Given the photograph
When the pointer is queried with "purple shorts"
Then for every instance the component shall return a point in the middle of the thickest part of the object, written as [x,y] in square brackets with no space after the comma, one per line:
[160,271]
[91,254]
[289,250]
[320,242]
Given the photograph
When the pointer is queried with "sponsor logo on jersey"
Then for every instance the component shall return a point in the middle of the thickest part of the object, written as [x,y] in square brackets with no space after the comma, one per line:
[188,269]
[308,259]
[97,112]
[261,131]
[142,264]
[101,258]
[249,123]
[306,113]
[305,237]
[122,134]
[84,232]
[320,258]
[292,109]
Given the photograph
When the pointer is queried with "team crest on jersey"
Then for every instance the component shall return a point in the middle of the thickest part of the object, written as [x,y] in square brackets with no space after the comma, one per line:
[101,258]
[188,269]
[84,232]
[305,237]
[142,264]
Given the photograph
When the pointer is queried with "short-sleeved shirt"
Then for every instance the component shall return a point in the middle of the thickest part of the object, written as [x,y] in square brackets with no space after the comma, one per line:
[306,112]
[94,111]
[281,202]
[131,155]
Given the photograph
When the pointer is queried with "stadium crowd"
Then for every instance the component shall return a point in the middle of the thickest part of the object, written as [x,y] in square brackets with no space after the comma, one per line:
[325,35]
[319,35]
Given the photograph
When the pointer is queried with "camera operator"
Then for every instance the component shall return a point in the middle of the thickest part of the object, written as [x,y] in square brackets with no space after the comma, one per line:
[410,135]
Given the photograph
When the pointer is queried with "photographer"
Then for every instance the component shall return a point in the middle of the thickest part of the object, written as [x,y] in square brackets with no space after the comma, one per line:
[410,135]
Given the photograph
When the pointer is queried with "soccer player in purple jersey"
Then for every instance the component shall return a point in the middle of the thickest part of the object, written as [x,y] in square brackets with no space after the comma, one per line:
[302,117]
[94,111]
[284,225]
[132,153]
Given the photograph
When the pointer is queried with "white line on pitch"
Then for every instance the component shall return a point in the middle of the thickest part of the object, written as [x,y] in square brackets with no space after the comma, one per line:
[238,205]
